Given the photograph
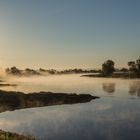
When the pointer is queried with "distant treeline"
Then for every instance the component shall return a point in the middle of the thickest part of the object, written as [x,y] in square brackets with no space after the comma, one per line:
[108,69]
[28,72]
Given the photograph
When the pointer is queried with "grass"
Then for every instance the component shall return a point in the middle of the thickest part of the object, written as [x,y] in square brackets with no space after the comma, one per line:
[13,136]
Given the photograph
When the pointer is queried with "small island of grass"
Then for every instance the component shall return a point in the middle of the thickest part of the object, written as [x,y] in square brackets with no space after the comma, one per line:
[10,100]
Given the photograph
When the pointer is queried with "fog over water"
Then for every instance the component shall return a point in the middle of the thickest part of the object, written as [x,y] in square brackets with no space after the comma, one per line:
[114,116]
[73,83]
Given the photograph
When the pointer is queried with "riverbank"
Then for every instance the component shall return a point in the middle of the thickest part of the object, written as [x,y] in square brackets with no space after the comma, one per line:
[10,100]
[114,75]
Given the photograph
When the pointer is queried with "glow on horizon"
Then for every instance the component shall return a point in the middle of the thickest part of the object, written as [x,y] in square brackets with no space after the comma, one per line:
[76,33]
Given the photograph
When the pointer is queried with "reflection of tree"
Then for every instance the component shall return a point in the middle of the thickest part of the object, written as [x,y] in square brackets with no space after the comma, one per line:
[109,87]
[134,88]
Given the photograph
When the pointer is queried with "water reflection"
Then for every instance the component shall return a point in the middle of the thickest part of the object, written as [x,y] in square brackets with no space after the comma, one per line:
[75,84]
[102,119]
[109,88]
[134,88]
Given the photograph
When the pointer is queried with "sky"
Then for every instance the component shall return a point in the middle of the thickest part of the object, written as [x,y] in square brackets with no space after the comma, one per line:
[68,33]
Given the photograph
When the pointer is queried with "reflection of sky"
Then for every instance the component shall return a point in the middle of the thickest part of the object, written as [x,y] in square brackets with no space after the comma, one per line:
[102,119]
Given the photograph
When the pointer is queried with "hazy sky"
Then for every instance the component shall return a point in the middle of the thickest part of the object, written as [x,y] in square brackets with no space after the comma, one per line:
[68,33]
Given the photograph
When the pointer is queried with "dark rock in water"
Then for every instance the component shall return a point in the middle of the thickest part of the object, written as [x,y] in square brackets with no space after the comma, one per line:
[10,100]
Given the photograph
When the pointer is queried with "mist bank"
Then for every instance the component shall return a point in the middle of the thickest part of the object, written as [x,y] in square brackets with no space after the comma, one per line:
[107,70]
[10,100]
[104,72]
[44,72]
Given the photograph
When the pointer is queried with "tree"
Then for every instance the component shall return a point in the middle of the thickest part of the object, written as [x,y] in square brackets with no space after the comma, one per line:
[13,70]
[134,67]
[138,65]
[108,68]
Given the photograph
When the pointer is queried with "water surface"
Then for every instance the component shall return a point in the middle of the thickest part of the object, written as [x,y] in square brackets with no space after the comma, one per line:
[115,116]
[73,83]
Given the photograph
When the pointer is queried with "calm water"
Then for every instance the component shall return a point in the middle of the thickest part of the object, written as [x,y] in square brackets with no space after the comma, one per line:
[76,84]
[115,116]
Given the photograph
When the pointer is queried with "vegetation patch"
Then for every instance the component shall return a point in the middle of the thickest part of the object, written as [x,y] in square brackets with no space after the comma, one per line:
[13,136]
